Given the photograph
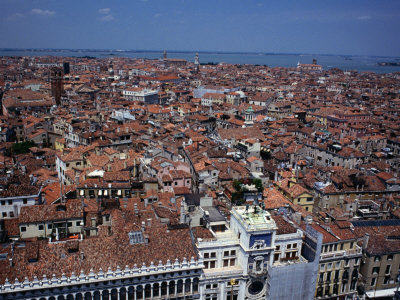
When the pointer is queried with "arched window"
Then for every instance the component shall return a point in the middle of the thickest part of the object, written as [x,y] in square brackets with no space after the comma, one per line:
[164,287]
[196,284]
[172,287]
[188,283]
[156,289]
[147,291]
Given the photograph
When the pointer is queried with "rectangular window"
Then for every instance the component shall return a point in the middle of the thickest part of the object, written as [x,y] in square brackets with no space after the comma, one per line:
[278,248]
[386,280]
[49,226]
[206,255]
[295,245]
[69,224]
[25,201]
[212,264]
[233,252]
[337,274]
[226,262]
[232,262]
[213,254]
[375,270]
[226,253]
[387,271]
[23,229]
[289,246]
[41,227]
[328,276]
[373,281]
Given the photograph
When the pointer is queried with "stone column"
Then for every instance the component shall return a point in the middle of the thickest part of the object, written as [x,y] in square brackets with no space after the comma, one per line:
[118,293]
[127,293]
[101,294]
[176,287]
[167,289]
[159,289]
[109,294]
[222,289]
[191,285]
[151,292]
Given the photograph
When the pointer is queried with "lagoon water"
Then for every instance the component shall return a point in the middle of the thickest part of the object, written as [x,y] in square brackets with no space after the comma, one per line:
[344,62]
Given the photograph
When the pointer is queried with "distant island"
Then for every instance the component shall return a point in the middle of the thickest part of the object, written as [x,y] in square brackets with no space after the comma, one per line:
[389,64]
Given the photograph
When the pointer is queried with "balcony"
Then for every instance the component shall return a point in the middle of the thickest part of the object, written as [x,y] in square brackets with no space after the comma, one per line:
[342,253]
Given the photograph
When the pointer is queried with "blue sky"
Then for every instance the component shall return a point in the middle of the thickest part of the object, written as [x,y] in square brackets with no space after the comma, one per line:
[359,27]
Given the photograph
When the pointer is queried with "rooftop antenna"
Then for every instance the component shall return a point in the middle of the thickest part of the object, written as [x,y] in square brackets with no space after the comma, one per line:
[62,197]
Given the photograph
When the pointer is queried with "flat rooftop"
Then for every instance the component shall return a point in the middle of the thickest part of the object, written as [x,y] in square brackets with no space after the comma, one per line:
[254,217]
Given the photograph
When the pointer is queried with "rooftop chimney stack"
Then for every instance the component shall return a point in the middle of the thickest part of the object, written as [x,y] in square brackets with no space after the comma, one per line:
[365,243]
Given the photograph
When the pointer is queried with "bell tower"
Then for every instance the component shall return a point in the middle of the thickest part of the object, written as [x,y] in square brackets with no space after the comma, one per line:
[196,63]
[57,84]
[249,117]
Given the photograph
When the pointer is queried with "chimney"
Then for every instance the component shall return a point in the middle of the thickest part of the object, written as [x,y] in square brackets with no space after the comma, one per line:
[365,243]
[308,220]
[143,226]
[136,209]
[148,222]
[182,220]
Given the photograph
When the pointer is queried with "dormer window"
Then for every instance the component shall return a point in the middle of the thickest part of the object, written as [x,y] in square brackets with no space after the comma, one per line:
[61,208]
[136,237]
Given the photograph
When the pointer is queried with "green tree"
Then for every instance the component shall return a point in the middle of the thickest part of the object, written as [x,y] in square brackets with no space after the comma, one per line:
[20,148]
[258,183]
[237,185]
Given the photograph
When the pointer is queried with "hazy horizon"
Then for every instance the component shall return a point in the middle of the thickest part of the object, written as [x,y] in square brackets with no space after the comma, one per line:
[358,27]
[190,51]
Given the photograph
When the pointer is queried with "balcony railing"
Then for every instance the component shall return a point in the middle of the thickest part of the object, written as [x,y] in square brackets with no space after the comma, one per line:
[341,253]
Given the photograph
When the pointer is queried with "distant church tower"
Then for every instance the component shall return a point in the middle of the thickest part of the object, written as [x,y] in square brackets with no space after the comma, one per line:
[57,84]
[196,63]
[249,117]
[165,54]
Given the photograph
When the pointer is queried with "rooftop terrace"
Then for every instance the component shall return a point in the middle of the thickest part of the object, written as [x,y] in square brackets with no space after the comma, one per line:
[254,218]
